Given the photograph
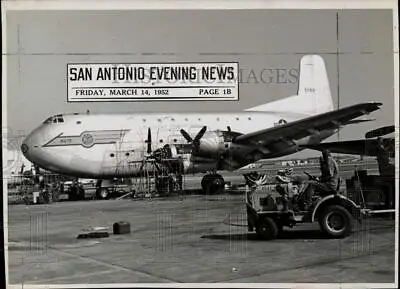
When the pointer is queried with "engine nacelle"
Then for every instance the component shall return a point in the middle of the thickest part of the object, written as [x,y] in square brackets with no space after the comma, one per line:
[218,145]
[215,150]
[211,145]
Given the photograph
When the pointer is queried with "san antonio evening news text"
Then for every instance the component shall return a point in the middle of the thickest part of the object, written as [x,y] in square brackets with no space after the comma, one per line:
[170,73]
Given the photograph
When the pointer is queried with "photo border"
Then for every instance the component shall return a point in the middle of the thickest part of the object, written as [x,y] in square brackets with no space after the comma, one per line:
[9,5]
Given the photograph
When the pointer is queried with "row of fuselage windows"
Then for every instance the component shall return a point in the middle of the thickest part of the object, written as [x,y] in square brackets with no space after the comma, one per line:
[113,155]
[160,120]
[199,119]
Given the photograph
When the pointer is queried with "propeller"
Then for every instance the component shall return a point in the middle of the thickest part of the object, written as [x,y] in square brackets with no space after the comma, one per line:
[148,141]
[380,131]
[196,140]
[149,149]
[22,169]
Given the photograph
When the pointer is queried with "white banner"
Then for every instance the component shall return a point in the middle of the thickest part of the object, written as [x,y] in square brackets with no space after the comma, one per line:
[152,81]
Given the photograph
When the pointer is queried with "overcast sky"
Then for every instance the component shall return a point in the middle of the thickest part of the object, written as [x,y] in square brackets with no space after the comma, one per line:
[41,43]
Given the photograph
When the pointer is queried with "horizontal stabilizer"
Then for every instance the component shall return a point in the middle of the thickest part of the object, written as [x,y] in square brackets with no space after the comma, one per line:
[368,147]
[380,131]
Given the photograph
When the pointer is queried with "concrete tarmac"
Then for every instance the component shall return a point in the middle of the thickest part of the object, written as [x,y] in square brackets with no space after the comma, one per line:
[190,238]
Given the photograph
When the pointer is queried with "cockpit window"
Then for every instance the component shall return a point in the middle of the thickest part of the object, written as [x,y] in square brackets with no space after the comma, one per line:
[54,119]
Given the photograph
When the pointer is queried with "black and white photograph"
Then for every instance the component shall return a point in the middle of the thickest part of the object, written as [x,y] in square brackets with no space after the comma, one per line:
[211,144]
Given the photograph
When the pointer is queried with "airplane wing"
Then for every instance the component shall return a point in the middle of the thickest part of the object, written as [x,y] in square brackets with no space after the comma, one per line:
[307,126]
[366,147]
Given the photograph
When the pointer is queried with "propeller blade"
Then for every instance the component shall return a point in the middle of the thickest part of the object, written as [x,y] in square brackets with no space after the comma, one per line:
[200,134]
[186,135]
[148,141]
[380,131]
[196,141]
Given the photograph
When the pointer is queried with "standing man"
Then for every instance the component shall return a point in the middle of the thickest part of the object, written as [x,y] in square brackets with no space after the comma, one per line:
[330,172]
[385,168]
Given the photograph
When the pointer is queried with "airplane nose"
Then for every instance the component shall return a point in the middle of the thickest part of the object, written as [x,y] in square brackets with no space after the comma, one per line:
[26,147]
[31,144]
[33,148]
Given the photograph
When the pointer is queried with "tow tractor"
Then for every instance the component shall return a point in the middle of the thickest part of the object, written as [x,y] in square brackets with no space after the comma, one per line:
[273,206]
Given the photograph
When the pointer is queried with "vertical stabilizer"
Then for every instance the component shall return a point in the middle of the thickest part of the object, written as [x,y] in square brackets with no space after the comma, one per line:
[313,95]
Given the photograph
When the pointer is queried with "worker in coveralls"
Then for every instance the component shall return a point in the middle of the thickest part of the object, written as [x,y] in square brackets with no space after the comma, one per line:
[385,168]
[386,171]
[328,181]
[283,178]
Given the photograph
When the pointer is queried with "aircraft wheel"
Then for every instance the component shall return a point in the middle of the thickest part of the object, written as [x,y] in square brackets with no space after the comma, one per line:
[103,194]
[335,221]
[204,182]
[267,229]
[214,184]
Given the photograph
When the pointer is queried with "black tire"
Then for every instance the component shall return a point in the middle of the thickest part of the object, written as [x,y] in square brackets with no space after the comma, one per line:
[335,221]
[267,229]
[102,194]
[215,185]
[209,189]
[204,183]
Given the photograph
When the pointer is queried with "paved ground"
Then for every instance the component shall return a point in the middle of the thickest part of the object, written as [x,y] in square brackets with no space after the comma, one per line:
[185,239]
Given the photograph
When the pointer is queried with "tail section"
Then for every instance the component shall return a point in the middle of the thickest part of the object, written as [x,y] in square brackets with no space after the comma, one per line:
[313,95]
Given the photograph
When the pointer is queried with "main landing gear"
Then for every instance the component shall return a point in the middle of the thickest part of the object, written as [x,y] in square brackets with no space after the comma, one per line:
[213,183]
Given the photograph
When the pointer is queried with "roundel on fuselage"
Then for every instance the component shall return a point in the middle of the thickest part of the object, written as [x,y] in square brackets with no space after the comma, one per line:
[87,140]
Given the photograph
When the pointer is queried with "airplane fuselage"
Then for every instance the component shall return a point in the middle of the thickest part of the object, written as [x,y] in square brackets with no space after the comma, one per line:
[112,145]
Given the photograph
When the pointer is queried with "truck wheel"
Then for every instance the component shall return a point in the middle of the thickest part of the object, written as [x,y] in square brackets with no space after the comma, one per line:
[102,194]
[335,221]
[267,229]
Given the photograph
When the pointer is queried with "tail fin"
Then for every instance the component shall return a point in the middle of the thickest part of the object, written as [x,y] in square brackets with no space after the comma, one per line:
[313,95]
